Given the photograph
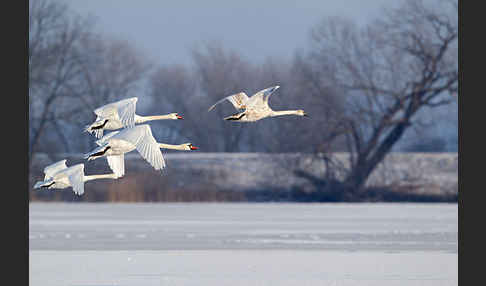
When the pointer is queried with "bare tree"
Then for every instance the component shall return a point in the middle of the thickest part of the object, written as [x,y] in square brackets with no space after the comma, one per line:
[324,103]
[219,73]
[174,89]
[72,70]
[55,36]
[111,69]
[387,72]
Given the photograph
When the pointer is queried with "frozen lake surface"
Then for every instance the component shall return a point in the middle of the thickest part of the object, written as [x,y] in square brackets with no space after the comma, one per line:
[83,244]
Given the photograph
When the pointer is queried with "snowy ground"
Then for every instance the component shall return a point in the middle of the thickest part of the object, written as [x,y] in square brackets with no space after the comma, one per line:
[243,172]
[242,244]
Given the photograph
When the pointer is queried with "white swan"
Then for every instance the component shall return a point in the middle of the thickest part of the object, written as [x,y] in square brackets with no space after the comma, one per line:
[121,114]
[117,162]
[139,137]
[59,176]
[182,147]
[255,107]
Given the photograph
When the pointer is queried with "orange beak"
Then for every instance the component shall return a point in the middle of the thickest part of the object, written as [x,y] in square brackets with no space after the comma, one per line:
[179,117]
[194,147]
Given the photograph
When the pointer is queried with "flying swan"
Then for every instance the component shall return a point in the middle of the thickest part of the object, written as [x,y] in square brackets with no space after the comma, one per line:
[60,176]
[121,114]
[255,107]
[182,147]
[114,145]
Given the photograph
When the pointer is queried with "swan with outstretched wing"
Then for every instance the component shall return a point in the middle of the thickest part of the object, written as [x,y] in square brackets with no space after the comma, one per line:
[139,137]
[59,176]
[124,143]
[121,114]
[255,107]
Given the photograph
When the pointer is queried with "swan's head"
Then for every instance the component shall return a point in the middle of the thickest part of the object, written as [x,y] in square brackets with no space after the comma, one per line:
[98,152]
[176,116]
[301,112]
[189,146]
[44,184]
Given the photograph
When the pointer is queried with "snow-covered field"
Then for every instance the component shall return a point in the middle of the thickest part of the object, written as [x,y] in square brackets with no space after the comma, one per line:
[242,244]
[199,171]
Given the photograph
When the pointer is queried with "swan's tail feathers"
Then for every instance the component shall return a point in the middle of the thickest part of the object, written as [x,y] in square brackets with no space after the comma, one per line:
[98,133]
[87,128]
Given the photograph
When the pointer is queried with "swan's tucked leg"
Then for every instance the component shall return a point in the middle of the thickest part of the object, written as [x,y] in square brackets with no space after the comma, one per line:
[98,152]
[43,184]
[236,116]
[96,125]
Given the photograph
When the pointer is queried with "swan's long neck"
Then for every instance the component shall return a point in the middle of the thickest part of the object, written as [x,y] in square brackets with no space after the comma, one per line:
[142,119]
[284,112]
[102,176]
[173,147]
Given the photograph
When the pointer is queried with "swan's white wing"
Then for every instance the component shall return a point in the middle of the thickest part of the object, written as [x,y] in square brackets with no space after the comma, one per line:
[106,111]
[124,110]
[117,164]
[75,176]
[260,99]
[141,136]
[264,93]
[238,100]
[109,109]
[268,91]
[127,113]
[106,137]
[50,170]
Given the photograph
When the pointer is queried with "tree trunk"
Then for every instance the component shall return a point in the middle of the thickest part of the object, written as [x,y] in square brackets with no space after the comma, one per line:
[359,175]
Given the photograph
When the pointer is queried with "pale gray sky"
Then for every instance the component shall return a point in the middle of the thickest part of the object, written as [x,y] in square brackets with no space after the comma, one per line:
[166,30]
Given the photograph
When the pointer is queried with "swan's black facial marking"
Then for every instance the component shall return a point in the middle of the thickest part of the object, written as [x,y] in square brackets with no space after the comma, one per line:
[100,126]
[101,152]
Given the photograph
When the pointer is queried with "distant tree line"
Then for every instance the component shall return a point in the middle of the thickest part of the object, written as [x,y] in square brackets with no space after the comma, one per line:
[368,89]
